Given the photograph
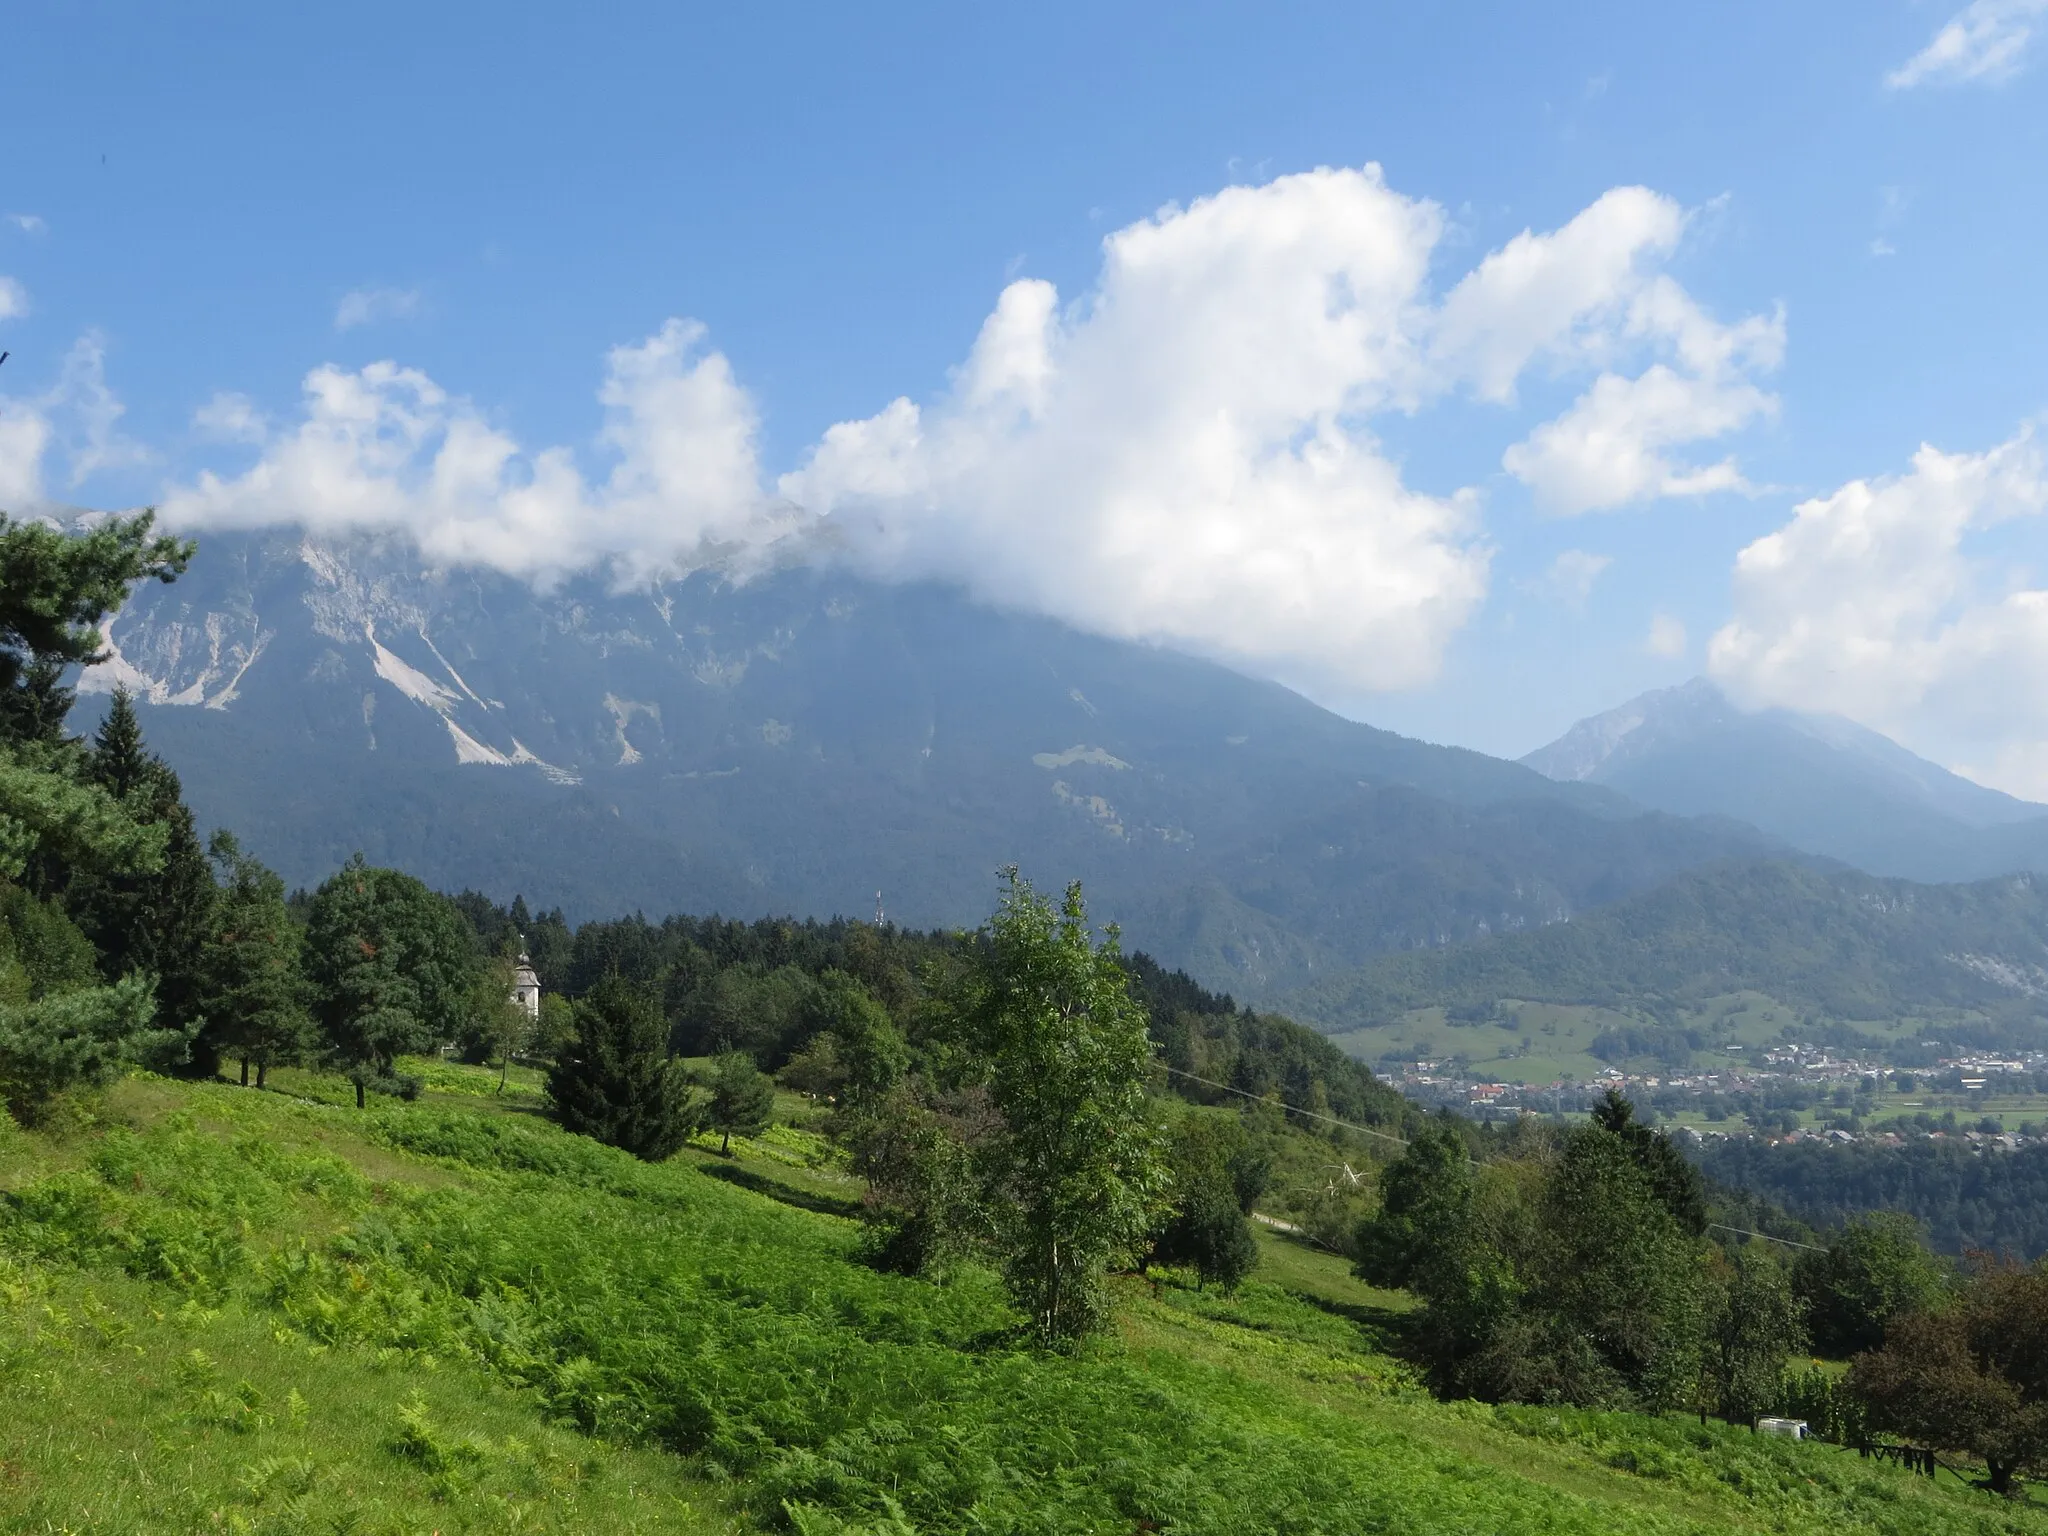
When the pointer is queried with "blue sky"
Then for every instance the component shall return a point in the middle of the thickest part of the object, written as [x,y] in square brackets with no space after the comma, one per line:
[201,209]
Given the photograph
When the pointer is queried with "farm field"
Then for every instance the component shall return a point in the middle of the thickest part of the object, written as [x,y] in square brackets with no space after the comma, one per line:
[1535,1043]
[233,1310]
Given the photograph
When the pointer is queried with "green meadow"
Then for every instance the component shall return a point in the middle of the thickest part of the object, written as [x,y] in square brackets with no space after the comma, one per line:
[242,1311]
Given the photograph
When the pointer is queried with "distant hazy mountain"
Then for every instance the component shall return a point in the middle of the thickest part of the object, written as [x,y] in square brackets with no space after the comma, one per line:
[1821,783]
[1842,944]
[799,742]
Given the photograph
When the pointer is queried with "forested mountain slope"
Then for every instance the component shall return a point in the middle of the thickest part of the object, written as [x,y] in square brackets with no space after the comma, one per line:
[1847,945]
[804,740]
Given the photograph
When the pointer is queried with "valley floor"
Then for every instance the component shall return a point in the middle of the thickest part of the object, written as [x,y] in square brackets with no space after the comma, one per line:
[225,1310]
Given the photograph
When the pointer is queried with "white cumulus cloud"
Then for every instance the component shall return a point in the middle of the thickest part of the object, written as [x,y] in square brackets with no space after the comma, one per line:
[385,447]
[231,418]
[28,223]
[1985,40]
[13,299]
[1589,294]
[1189,452]
[1884,601]
[364,306]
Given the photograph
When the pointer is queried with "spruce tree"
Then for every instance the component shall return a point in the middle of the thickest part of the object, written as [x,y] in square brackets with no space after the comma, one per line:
[155,921]
[615,1081]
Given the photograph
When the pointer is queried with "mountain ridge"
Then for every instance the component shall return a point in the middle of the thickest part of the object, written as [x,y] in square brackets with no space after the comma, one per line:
[1819,783]
[800,740]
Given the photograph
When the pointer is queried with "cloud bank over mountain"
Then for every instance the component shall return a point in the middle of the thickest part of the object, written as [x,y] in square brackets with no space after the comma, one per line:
[1887,601]
[1190,452]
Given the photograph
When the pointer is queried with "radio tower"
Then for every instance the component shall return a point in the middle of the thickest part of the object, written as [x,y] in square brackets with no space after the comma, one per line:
[878,909]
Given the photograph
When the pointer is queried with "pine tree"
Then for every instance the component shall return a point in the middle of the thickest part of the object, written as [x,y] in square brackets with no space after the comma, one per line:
[55,588]
[615,1081]
[57,1030]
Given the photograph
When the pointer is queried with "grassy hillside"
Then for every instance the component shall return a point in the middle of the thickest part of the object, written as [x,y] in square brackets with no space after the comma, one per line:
[231,1310]
[1833,943]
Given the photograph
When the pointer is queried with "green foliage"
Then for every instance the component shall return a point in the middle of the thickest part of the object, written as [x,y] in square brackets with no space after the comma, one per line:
[253,990]
[1753,1325]
[1971,1377]
[1843,944]
[50,820]
[924,1206]
[76,1040]
[54,590]
[391,966]
[615,1080]
[157,919]
[1044,1018]
[1872,1271]
[1215,1174]
[346,1331]
[1963,1199]
[1551,1278]
[742,1098]
[1676,1182]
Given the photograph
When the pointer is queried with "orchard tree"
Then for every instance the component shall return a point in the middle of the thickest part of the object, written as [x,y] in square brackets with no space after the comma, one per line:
[614,1080]
[391,966]
[1043,1019]
[1971,1376]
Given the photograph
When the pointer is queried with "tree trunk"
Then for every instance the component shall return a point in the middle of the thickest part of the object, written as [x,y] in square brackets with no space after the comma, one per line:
[262,1072]
[359,1093]
[2001,1475]
[245,1071]
[504,1067]
[725,1146]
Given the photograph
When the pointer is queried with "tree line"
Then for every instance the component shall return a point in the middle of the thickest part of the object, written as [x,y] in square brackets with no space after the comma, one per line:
[1581,1268]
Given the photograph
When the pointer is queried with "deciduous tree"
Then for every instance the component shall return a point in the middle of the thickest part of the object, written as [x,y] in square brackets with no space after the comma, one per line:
[1971,1376]
[742,1098]
[390,964]
[1044,1019]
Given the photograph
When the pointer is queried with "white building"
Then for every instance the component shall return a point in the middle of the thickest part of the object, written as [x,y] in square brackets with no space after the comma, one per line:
[526,986]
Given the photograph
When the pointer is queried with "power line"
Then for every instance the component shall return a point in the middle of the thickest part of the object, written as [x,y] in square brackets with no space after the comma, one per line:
[1309,1113]
[1720,1226]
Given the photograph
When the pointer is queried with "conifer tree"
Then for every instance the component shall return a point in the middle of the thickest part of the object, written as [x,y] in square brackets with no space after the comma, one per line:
[57,1030]
[614,1080]
[157,920]
[253,987]
[55,588]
